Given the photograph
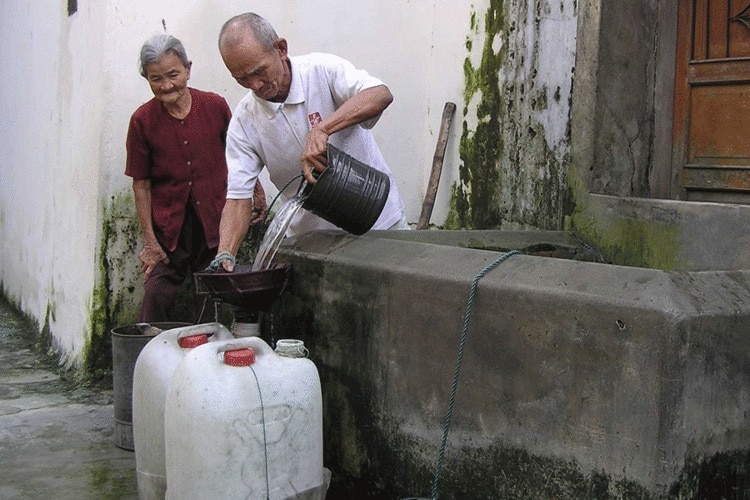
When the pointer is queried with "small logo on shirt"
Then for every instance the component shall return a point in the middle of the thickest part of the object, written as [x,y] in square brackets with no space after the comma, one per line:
[314,118]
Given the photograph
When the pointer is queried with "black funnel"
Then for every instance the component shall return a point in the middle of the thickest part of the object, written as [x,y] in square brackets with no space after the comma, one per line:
[243,288]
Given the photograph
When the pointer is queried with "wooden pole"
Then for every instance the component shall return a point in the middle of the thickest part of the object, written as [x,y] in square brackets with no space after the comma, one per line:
[437,166]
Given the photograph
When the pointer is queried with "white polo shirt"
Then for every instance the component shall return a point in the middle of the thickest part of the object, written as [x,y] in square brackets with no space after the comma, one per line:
[263,133]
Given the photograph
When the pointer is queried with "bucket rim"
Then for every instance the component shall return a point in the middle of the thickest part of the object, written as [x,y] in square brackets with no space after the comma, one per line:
[163,325]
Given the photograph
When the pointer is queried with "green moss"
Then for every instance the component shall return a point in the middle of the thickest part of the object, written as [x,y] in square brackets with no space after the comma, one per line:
[459,206]
[511,472]
[99,320]
[511,175]
[107,306]
[43,343]
[632,242]
[118,281]
[473,200]
[105,482]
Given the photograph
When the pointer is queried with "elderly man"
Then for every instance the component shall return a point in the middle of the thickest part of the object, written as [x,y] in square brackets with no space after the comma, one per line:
[296,106]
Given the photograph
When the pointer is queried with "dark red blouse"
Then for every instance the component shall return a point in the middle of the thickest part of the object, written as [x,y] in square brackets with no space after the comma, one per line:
[184,159]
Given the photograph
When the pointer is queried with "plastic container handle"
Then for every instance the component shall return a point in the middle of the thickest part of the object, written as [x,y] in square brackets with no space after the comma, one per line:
[255,343]
[219,331]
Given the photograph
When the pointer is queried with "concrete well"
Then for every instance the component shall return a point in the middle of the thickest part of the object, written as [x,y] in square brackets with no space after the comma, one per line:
[578,378]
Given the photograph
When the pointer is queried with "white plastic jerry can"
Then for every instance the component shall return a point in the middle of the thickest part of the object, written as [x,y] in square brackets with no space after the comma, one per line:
[153,370]
[244,422]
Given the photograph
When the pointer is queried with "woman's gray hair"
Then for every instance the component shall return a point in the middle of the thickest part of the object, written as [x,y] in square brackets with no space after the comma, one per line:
[154,48]
[234,29]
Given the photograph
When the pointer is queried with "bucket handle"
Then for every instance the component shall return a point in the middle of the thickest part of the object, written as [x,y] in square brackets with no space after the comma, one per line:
[219,331]
[305,188]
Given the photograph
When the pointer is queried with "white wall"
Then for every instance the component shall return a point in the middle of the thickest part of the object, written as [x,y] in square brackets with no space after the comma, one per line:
[51,102]
[417,48]
[71,83]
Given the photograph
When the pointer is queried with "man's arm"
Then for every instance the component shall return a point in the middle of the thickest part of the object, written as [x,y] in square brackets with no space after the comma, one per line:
[152,252]
[359,108]
[235,222]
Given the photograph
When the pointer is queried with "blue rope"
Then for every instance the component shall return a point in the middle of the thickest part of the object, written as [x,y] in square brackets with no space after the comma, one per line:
[265,440]
[454,386]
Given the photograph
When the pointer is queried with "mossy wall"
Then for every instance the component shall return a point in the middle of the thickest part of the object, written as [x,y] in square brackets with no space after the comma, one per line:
[116,298]
[632,242]
[515,137]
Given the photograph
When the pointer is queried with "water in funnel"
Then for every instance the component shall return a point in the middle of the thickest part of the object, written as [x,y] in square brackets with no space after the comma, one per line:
[276,231]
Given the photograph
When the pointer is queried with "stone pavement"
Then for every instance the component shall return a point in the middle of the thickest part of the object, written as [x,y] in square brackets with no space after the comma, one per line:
[56,439]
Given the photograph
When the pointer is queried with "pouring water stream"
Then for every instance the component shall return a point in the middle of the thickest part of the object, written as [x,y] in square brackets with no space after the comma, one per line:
[277,230]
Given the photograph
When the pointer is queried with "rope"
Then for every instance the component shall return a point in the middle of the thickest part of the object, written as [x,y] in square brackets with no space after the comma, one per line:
[454,386]
[265,440]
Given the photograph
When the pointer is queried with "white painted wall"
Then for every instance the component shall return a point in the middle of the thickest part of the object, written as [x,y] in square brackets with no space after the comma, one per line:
[416,47]
[51,104]
[71,83]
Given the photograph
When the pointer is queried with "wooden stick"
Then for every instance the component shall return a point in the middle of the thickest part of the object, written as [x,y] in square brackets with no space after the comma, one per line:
[437,166]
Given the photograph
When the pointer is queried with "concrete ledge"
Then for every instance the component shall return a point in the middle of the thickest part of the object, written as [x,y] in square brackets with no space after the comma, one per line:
[667,234]
[589,370]
[560,244]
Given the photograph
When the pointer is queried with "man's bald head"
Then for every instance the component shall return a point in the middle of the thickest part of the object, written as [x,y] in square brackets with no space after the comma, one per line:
[237,29]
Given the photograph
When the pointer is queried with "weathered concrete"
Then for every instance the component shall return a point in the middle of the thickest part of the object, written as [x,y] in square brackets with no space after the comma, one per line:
[667,234]
[561,244]
[515,135]
[624,185]
[621,103]
[578,379]
[56,439]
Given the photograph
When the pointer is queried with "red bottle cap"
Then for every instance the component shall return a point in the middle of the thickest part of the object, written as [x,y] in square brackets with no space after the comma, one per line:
[193,340]
[239,357]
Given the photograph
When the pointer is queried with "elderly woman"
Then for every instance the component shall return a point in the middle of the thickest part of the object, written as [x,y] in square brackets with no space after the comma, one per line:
[175,155]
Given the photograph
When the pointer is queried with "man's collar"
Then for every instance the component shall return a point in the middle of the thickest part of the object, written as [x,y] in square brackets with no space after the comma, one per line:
[296,92]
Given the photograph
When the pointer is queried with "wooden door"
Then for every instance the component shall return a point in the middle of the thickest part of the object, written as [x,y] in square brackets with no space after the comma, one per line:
[712,101]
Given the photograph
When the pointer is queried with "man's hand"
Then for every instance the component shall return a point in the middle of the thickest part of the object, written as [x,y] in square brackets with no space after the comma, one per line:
[359,108]
[314,154]
[150,256]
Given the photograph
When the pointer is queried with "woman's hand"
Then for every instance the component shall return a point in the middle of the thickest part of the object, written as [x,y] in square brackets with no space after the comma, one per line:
[150,256]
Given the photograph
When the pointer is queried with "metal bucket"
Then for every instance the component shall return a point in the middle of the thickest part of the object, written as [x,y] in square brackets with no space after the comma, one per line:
[127,342]
[348,193]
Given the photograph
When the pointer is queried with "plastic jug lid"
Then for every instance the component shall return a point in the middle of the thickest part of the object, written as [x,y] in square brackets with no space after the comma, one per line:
[239,357]
[193,340]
